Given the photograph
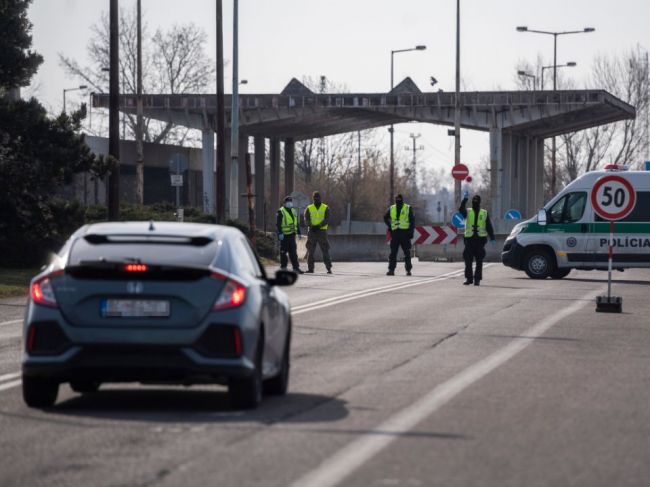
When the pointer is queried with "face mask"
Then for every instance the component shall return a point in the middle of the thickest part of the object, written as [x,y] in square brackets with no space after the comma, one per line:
[399,202]
[288,204]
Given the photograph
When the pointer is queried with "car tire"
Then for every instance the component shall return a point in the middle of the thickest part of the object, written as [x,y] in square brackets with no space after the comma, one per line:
[39,392]
[279,385]
[246,392]
[539,264]
[84,386]
[561,273]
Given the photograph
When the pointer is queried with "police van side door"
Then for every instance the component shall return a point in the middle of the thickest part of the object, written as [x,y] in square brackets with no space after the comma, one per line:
[568,227]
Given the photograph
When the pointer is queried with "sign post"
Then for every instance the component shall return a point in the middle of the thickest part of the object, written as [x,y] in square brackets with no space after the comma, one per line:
[177,165]
[612,198]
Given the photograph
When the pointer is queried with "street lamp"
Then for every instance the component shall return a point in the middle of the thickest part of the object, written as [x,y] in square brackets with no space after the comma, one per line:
[528,75]
[391,130]
[80,87]
[523,28]
[570,64]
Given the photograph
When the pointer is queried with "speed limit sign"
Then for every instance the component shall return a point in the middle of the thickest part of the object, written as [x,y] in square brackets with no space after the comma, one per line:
[613,198]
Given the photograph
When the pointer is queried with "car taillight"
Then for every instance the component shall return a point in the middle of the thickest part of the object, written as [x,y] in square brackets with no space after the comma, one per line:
[232,295]
[42,292]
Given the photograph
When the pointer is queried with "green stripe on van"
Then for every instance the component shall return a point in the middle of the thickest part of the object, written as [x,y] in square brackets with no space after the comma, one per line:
[600,227]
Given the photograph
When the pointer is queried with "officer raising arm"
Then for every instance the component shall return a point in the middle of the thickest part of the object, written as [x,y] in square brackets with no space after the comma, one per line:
[401,224]
[477,228]
[287,227]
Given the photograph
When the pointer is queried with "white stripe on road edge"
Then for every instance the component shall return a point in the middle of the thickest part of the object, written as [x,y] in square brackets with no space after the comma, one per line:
[370,292]
[11,322]
[9,376]
[10,385]
[351,457]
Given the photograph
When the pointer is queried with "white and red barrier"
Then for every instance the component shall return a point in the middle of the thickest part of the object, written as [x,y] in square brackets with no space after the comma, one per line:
[433,235]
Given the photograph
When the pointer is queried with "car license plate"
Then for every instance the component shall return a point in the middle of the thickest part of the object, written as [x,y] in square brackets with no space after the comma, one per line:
[134,308]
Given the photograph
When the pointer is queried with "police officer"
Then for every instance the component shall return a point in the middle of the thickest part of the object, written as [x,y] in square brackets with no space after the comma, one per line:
[477,228]
[401,223]
[288,227]
[317,217]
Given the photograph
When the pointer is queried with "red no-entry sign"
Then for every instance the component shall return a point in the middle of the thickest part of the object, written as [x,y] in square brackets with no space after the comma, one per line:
[459,172]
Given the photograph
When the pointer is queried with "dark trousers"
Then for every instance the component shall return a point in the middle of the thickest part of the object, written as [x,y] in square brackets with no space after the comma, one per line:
[318,238]
[399,239]
[288,246]
[474,249]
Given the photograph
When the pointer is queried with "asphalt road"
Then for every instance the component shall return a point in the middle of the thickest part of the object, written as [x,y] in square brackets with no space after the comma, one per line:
[405,381]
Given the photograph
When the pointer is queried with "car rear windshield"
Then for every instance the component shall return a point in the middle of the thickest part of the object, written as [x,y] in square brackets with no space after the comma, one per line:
[180,252]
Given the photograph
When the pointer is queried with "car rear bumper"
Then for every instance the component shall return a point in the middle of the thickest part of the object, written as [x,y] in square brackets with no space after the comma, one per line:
[132,363]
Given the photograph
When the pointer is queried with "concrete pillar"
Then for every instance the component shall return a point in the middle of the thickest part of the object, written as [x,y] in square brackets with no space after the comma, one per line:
[228,170]
[207,156]
[496,172]
[260,157]
[289,158]
[243,189]
[275,176]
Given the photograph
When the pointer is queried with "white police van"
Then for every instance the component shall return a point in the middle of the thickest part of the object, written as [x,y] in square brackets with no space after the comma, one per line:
[567,234]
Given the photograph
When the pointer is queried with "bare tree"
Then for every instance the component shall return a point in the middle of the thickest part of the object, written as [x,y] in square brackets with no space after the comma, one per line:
[174,61]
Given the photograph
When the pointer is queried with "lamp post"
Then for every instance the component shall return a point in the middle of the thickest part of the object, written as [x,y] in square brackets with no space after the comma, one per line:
[570,64]
[555,35]
[528,75]
[391,129]
[80,87]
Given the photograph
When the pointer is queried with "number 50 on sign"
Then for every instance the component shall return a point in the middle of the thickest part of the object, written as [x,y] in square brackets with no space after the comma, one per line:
[613,198]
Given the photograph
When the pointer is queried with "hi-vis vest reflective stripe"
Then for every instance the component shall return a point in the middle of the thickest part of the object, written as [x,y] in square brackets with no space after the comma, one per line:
[317,215]
[472,227]
[289,221]
[402,222]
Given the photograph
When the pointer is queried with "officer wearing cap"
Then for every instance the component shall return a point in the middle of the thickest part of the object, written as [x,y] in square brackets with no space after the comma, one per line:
[288,227]
[477,229]
[317,216]
[401,224]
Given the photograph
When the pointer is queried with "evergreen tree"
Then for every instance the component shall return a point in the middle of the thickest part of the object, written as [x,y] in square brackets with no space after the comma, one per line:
[18,63]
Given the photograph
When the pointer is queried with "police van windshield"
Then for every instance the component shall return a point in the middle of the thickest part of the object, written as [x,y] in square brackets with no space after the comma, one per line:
[568,209]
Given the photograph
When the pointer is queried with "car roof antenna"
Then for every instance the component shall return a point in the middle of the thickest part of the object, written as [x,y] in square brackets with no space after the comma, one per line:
[151,227]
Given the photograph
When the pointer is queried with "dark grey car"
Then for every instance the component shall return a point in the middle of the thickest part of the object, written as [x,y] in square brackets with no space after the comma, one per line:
[157,302]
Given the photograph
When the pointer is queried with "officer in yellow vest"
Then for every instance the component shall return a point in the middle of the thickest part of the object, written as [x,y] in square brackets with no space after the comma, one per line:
[477,229]
[401,224]
[288,227]
[317,217]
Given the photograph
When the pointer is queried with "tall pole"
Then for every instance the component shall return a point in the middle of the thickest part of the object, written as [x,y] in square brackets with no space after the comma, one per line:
[114,115]
[234,117]
[457,105]
[553,142]
[392,130]
[139,160]
[220,187]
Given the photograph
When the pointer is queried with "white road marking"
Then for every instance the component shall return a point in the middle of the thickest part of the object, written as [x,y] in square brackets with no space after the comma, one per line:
[11,322]
[371,292]
[346,461]
[6,377]
[10,385]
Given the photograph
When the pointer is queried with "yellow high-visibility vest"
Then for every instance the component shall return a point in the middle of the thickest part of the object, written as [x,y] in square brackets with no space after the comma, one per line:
[289,223]
[481,228]
[403,222]
[317,215]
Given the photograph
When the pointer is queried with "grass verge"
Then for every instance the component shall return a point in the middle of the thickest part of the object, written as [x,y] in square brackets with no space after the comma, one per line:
[15,282]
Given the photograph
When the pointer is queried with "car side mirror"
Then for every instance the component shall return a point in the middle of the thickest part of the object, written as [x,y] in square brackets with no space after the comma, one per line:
[541,216]
[284,278]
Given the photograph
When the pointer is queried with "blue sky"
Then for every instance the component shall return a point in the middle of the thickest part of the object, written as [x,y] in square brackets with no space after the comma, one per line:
[350,41]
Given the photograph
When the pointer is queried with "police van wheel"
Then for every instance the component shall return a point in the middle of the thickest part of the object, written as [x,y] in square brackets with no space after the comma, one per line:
[539,264]
[560,273]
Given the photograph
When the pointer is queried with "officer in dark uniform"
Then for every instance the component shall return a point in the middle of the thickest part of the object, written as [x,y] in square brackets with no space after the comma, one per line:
[477,229]
[401,224]
[288,227]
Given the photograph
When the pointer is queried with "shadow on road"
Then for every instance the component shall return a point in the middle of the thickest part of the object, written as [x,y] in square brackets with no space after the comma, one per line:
[604,280]
[194,406]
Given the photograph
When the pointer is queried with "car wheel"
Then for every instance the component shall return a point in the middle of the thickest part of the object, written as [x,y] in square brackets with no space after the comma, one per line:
[84,386]
[39,392]
[278,385]
[539,264]
[246,392]
[561,273]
